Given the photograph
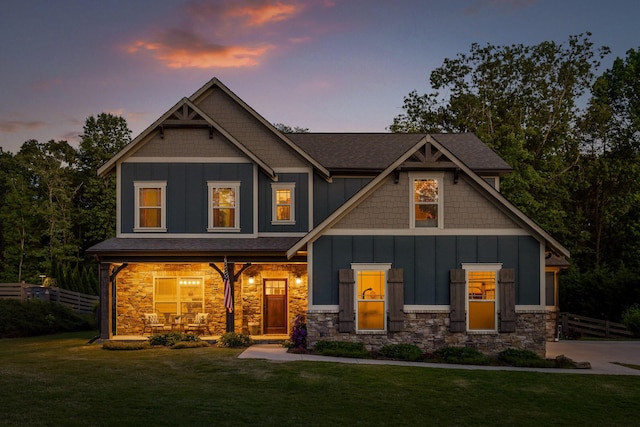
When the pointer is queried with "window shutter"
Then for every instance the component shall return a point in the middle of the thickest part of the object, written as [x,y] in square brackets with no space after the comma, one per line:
[457,317]
[507,300]
[346,315]
[395,289]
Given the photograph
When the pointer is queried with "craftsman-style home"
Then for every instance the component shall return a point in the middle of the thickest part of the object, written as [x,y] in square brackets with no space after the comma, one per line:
[373,237]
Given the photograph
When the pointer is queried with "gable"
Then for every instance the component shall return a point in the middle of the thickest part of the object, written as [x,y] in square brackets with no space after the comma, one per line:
[188,142]
[388,207]
[244,127]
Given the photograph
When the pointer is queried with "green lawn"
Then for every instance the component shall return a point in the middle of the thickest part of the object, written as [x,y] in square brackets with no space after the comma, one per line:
[60,380]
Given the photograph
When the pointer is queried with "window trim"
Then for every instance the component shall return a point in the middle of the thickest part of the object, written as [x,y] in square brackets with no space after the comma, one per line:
[291,186]
[358,267]
[494,267]
[180,299]
[235,185]
[137,186]
[439,177]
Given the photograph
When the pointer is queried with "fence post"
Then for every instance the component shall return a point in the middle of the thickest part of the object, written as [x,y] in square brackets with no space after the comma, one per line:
[606,328]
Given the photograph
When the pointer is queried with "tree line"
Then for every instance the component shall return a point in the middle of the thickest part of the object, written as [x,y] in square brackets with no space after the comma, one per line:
[54,206]
[572,136]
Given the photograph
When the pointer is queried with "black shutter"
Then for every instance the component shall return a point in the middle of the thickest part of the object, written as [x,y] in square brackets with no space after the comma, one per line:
[507,285]
[457,295]
[346,292]
[395,289]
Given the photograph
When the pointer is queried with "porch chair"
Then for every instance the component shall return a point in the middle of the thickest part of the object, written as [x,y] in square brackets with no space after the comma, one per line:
[153,323]
[200,323]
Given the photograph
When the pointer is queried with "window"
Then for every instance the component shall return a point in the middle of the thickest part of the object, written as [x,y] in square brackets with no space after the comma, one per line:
[150,210]
[426,196]
[482,308]
[224,206]
[283,196]
[178,296]
[371,298]
[550,288]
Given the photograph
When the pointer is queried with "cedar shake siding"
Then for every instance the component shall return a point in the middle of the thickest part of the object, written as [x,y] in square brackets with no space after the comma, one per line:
[252,134]
[390,205]
[195,143]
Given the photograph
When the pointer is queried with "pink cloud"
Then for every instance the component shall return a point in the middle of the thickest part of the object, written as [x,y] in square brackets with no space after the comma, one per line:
[13,126]
[265,13]
[182,49]
[226,34]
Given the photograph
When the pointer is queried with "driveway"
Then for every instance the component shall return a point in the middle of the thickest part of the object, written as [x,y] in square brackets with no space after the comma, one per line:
[603,355]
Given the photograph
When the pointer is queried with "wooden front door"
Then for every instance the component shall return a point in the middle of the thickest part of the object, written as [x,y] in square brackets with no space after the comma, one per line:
[275,306]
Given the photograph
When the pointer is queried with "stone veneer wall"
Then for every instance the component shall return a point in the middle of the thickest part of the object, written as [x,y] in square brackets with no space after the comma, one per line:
[135,293]
[253,294]
[552,324]
[430,331]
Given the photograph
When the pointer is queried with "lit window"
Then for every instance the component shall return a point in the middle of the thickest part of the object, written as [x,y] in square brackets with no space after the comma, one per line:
[481,298]
[371,298]
[426,195]
[178,296]
[283,196]
[150,206]
[224,206]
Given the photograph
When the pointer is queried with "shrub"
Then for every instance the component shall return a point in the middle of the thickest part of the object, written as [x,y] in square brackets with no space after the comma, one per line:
[408,352]
[461,356]
[298,338]
[189,344]
[120,345]
[35,317]
[342,349]
[171,338]
[233,340]
[631,319]
[523,359]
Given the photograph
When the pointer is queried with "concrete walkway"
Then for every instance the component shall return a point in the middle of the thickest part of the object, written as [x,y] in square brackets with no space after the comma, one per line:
[600,354]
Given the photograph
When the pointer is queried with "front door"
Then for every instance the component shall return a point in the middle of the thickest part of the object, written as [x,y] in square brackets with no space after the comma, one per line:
[275,306]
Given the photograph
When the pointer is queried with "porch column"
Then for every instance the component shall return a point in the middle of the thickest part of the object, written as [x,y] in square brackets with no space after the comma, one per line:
[106,301]
[230,316]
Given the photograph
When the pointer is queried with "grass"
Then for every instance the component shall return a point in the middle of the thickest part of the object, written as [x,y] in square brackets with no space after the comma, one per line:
[60,380]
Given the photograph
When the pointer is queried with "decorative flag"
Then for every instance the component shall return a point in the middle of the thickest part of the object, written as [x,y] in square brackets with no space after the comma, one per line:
[228,299]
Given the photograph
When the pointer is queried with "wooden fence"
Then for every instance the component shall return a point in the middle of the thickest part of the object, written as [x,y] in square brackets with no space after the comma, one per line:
[81,303]
[574,326]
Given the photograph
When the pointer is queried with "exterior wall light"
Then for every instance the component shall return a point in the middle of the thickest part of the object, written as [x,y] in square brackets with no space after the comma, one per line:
[298,280]
[252,280]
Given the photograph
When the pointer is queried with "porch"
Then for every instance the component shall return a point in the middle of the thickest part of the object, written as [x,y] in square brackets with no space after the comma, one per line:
[266,298]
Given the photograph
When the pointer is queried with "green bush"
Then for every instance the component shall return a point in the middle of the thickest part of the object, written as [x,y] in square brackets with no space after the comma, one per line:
[523,359]
[461,356]
[233,340]
[631,319]
[342,349]
[171,338]
[189,344]
[408,352]
[124,346]
[35,317]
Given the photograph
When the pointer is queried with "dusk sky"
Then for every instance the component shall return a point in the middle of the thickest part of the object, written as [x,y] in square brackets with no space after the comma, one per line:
[326,65]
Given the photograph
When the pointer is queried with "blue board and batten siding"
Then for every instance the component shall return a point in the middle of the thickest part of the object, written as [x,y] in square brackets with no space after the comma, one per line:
[426,261]
[327,197]
[301,199]
[186,192]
